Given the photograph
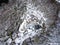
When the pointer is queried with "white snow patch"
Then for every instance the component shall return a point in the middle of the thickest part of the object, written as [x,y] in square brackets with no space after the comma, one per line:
[9,40]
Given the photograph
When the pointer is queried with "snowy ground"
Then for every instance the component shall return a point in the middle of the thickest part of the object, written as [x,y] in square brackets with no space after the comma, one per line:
[25,23]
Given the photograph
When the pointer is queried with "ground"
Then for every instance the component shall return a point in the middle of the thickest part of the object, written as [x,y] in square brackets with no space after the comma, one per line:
[30,22]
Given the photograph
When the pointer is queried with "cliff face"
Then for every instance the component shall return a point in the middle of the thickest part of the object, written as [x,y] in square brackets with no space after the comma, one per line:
[13,14]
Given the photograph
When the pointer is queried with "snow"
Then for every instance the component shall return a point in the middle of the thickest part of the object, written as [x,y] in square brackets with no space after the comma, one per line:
[17,40]
[26,30]
[58,1]
[29,27]
[9,40]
